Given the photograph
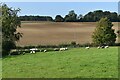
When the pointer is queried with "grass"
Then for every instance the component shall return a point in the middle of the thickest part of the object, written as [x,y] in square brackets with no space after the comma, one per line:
[73,63]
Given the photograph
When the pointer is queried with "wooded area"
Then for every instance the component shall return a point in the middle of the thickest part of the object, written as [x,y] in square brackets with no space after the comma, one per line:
[73,17]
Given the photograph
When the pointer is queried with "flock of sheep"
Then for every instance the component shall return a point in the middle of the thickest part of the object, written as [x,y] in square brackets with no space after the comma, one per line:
[99,47]
[63,49]
[34,50]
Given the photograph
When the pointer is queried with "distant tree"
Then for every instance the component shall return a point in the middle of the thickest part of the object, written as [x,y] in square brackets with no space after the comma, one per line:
[10,22]
[80,17]
[71,17]
[98,14]
[35,18]
[73,43]
[59,18]
[104,34]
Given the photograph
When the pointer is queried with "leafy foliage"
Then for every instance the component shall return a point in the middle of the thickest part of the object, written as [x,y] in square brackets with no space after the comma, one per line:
[35,18]
[71,17]
[98,14]
[10,22]
[104,34]
[59,18]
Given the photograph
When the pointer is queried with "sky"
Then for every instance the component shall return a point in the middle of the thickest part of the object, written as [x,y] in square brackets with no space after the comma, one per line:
[61,8]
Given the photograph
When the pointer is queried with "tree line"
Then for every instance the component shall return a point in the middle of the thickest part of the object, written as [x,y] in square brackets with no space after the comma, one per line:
[73,17]
[35,18]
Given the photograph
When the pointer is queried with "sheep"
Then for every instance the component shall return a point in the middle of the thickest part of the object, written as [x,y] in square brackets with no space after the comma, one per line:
[56,49]
[106,46]
[66,48]
[87,48]
[45,50]
[62,49]
[23,53]
[33,50]
[30,51]
[13,50]
[98,47]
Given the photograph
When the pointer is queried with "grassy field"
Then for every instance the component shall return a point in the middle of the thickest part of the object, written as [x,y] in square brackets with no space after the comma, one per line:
[49,33]
[73,63]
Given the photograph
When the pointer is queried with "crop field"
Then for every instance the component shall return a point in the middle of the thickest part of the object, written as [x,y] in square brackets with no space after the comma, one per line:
[72,63]
[48,33]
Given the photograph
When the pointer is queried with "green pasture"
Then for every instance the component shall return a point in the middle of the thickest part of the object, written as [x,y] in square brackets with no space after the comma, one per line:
[72,63]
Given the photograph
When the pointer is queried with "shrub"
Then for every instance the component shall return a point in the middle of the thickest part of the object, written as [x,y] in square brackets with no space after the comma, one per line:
[7,46]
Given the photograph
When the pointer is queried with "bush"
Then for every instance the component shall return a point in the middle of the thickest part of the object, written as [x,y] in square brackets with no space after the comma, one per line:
[63,45]
[73,44]
[7,46]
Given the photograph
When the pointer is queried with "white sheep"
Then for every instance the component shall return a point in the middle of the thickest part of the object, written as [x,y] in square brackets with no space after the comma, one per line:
[106,46]
[87,48]
[56,49]
[98,47]
[62,49]
[66,48]
[32,51]
[45,50]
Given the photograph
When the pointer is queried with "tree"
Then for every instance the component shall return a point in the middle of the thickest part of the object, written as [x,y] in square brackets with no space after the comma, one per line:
[59,18]
[10,23]
[104,34]
[98,14]
[71,17]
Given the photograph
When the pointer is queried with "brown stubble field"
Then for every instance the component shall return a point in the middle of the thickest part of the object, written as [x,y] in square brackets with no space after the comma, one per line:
[53,33]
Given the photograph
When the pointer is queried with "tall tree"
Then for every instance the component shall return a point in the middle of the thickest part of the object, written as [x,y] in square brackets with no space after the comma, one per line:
[104,34]
[10,23]
[71,17]
[59,18]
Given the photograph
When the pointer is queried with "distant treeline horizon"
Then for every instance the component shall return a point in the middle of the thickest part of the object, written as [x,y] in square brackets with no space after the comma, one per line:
[73,17]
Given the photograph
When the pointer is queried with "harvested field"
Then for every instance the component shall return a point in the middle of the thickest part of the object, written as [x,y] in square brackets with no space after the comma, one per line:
[48,33]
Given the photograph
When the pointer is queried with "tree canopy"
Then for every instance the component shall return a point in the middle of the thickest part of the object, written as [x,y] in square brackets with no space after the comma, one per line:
[98,14]
[104,34]
[72,17]
[59,18]
[10,23]
[35,18]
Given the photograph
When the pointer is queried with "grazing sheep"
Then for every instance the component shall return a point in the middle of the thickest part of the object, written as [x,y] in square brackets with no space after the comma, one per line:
[13,50]
[98,47]
[87,48]
[45,50]
[56,49]
[33,50]
[62,49]
[66,48]
[30,51]
[106,46]
[23,53]
[102,47]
